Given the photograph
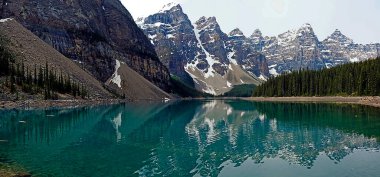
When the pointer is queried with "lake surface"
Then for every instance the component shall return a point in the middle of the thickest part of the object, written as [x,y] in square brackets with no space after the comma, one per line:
[195,138]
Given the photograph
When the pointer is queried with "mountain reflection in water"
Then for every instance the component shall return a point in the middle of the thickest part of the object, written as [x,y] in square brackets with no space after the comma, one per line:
[193,138]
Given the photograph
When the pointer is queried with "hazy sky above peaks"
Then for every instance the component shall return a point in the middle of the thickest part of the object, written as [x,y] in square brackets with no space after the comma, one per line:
[357,19]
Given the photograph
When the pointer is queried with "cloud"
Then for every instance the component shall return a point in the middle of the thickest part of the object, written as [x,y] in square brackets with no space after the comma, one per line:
[278,6]
[275,9]
[142,8]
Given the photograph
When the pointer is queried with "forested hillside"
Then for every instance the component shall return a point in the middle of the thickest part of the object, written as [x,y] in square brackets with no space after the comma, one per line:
[354,79]
[15,77]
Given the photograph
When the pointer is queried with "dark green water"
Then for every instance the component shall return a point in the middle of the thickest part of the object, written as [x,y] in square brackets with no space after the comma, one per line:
[195,138]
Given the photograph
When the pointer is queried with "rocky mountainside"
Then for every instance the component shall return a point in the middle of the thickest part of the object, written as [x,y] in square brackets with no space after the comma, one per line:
[35,53]
[293,50]
[166,31]
[171,32]
[301,49]
[94,33]
[339,49]
[200,54]
[245,52]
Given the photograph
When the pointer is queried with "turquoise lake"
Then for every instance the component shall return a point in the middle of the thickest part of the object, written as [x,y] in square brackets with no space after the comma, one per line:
[195,138]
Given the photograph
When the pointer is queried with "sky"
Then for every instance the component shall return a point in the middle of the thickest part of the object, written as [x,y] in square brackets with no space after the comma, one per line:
[357,19]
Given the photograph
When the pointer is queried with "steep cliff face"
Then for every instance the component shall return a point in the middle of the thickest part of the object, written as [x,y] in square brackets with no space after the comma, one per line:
[246,53]
[94,33]
[339,49]
[197,53]
[213,41]
[171,32]
[35,53]
[293,50]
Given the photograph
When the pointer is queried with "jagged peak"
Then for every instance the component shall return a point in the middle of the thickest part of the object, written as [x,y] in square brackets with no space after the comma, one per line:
[338,36]
[337,31]
[173,6]
[201,19]
[204,19]
[170,6]
[306,25]
[212,19]
[256,34]
[236,32]
[140,20]
[207,22]
[306,28]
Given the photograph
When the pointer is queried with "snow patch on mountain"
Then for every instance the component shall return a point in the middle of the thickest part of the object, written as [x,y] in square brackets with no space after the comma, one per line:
[5,20]
[230,55]
[168,6]
[211,61]
[273,72]
[116,78]
[354,60]
[262,77]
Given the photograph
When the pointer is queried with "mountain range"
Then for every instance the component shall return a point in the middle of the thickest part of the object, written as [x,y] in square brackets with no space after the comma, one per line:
[142,59]
[203,56]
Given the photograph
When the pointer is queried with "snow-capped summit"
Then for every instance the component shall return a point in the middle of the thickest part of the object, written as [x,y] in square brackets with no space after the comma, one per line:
[205,23]
[305,29]
[245,53]
[169,6]
[257,34]
[306,25]
[337,36]
[257,40]
[201,54]
[293,50]
[212,38]
[236,32]
[339,49]
[196,53]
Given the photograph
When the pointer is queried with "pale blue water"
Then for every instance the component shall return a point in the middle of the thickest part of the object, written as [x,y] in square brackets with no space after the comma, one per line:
[195,138]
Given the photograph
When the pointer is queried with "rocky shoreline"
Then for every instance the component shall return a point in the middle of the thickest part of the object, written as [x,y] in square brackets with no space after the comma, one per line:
[373,101]
[44,104]
[12,170]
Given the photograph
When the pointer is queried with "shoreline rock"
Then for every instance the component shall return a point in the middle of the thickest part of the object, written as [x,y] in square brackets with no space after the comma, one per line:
[13,170]
[373,101]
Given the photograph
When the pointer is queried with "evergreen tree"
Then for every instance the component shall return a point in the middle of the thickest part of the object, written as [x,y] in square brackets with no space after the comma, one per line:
[350,79]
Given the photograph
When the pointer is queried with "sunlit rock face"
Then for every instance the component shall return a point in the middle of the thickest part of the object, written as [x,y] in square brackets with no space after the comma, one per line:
[293,50]
[339,49]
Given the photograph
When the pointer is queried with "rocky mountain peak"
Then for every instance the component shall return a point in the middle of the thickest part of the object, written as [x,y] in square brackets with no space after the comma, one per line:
[305,29]
[169,13]
[205,22]
[256,34]
[338,37]
[306,25]
[171,7]
[257,39]
[210,26]
[337,31]
[236,32]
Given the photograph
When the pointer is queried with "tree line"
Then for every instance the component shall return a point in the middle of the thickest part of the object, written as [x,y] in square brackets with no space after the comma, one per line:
[353,79]
[39,80]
